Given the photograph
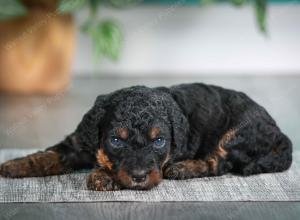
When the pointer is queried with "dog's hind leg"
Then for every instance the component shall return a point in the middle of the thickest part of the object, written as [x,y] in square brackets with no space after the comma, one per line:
[277,160]
[251,150]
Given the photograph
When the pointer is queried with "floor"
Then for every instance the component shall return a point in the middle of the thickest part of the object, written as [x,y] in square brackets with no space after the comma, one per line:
[41,121]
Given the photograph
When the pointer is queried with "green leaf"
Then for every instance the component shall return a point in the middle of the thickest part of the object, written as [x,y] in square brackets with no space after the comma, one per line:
[68,6]
[122,3]
[94,4]
[260,8]
[207,2]
[238,2]
[11,9]
[107,38]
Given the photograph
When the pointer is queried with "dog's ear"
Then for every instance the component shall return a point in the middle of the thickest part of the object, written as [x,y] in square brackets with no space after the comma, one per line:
[87,132]
[179,124]
[179,130]
[77,149]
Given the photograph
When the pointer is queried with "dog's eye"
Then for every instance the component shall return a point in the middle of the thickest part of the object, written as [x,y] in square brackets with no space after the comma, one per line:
[116,142]
[159,142]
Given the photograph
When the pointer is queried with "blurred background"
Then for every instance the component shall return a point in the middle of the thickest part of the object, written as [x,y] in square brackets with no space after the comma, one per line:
[190,38]
[56,56]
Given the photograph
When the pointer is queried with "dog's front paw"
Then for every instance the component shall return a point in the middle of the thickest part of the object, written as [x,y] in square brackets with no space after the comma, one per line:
[13,169]
[99,180]
[34,165]
[175,171]
[186,169]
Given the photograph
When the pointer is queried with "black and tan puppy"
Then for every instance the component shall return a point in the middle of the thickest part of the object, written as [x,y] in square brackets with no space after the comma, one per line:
[137,136]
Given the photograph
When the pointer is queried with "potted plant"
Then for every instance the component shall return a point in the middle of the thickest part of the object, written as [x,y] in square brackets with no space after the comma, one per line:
[37,47]
[38,40]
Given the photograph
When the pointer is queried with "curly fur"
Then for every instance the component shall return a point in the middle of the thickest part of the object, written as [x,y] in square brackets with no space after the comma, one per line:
[208,130]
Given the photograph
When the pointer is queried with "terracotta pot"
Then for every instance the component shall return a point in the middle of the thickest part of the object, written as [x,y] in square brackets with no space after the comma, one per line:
[36,52]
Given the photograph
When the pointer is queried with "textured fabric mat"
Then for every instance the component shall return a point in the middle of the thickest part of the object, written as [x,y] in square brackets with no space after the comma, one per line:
[72,188]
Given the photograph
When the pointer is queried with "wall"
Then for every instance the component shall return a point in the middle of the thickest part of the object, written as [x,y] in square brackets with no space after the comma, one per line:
[191,40]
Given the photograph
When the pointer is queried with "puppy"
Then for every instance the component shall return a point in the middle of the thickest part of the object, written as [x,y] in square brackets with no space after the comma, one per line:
[137,136]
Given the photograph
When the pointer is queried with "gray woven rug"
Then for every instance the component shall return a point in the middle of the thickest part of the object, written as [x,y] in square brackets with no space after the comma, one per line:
[72,188]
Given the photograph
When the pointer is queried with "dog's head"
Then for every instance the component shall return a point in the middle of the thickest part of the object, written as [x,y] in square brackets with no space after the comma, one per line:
[139,131]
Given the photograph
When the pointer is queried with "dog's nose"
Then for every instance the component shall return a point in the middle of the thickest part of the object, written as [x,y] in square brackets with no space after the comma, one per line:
[138,176]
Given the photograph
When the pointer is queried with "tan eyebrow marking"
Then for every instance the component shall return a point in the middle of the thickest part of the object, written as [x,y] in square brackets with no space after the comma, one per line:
[154,132]
[122,133]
